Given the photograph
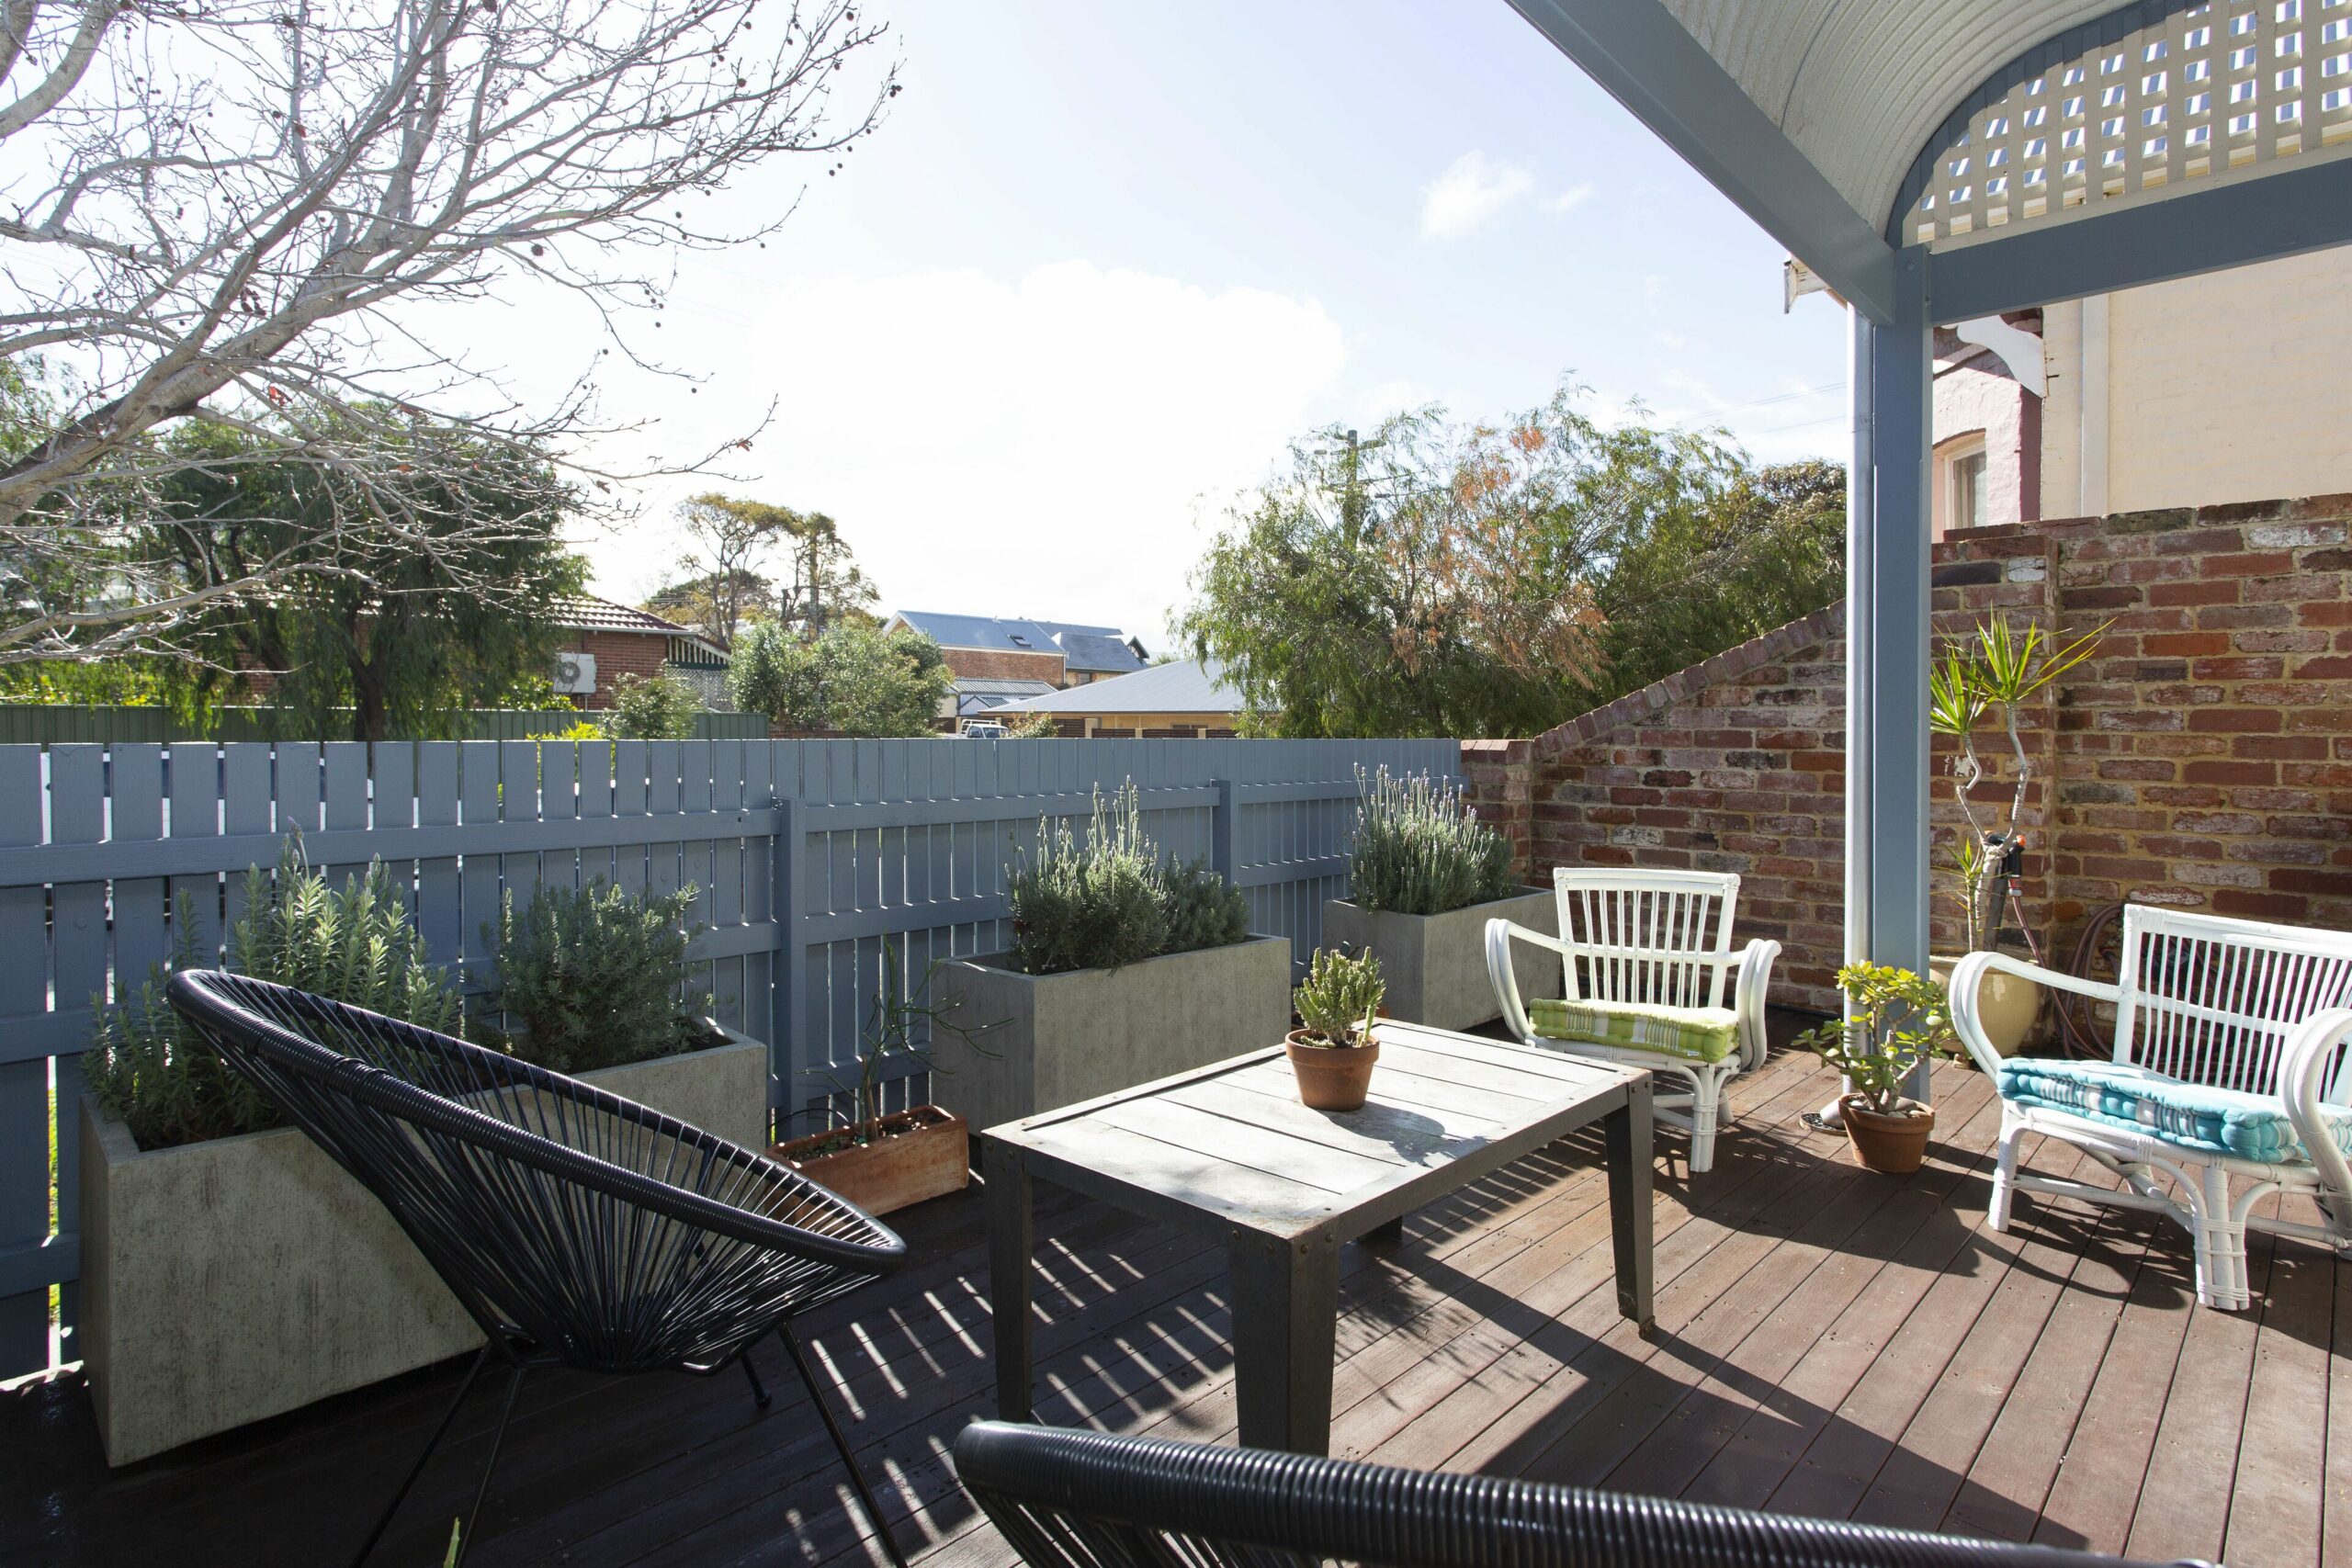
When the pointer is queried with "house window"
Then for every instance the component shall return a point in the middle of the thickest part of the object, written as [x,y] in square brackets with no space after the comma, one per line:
[1962,491]
[1968,488]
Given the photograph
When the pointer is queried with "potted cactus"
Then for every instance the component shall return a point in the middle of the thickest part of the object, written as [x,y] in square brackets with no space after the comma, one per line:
[1332,1051]
[1898,1019]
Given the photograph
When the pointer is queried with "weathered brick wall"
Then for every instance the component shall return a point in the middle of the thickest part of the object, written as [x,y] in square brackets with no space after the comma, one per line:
[994,664]
[2203,759]
[2206,758]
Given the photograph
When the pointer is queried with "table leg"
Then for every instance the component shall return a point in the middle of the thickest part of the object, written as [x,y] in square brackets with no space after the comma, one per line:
[1627,1131]
[1285,1299]
[1009,1269]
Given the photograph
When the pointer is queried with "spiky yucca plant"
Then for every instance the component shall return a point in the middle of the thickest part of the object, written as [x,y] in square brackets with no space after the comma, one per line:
[355,944]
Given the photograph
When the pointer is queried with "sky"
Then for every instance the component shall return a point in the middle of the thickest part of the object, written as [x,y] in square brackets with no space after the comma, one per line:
[1104,262]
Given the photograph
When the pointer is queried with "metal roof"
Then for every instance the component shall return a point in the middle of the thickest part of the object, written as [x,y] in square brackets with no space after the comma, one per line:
[1098,651]
[1083,646]
[1183,686]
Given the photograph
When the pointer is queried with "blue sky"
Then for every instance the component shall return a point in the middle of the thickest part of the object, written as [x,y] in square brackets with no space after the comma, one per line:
[1103,260]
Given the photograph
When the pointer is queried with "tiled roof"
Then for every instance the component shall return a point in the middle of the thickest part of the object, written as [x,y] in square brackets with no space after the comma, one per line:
[588,613]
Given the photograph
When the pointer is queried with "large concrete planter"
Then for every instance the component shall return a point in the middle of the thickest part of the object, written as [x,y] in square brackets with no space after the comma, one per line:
[1053,1040]
[1435,966]
[233,1280]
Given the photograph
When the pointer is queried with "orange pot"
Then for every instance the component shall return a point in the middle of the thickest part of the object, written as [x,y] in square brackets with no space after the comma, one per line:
[1330,1077]
[1896,1144]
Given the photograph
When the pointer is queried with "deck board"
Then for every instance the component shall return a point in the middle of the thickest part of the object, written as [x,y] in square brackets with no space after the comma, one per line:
[1831,1341]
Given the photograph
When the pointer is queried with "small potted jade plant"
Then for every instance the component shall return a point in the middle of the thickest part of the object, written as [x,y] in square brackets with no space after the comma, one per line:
[1898,1021]
[1332,1051]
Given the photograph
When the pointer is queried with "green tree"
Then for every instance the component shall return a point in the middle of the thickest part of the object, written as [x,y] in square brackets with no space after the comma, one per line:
[854,678]
[661,709]
[1714,570]
[1447,579]
[443,599]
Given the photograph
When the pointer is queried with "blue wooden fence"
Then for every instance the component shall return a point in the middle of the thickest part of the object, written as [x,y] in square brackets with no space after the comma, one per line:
[809,857]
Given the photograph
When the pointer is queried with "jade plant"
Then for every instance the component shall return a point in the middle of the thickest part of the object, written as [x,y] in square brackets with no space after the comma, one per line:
[1896,1019]
[1339,999]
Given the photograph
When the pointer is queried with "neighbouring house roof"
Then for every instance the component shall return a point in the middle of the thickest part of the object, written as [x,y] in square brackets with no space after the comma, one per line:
[1099,651]
[587,613]
[1082,647]
[994,634]
[1185,686]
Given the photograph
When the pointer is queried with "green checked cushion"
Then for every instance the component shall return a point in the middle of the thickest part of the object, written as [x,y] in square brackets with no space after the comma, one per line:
[1704,1035]
[2218,1121]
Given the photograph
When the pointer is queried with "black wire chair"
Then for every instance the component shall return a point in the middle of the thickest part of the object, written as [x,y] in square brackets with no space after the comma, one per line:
[1068,1498]
[580,1229]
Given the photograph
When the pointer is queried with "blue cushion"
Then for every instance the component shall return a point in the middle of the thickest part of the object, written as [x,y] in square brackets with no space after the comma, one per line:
[2218,1121]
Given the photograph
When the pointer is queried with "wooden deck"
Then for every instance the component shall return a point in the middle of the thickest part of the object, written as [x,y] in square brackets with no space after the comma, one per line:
[1831,1342]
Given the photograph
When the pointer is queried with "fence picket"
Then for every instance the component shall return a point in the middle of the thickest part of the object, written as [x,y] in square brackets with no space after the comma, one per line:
[810,858]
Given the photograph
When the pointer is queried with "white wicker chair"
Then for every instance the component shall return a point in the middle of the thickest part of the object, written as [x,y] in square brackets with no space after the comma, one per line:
[2226,1033]
[1658,940]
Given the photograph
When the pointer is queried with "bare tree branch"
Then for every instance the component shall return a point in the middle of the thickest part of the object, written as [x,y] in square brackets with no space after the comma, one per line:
[259,210]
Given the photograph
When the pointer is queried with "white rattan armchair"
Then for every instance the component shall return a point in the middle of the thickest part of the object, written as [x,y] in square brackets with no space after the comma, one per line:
[2227,1034]
[1655,943]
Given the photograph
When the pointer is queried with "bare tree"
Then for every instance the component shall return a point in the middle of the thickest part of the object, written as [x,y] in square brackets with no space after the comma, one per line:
[258,208]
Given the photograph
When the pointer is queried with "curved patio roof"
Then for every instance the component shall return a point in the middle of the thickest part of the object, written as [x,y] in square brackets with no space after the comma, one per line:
[1850,130]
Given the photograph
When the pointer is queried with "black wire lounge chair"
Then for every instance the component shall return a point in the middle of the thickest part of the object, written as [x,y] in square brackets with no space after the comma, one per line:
[1068,1498]
[580,1229]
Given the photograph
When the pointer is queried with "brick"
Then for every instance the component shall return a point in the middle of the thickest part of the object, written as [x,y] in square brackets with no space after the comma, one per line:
[2190,643]
[2231,772]
[2234,721]
[2260,906]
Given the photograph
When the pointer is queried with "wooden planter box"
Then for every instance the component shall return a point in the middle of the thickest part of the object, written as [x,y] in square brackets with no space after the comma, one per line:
[1053,1040]
[228,1280]
[1435,966]
[914,1155]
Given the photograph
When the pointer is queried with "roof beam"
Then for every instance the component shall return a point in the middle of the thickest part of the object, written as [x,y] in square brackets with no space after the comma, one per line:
[1644,59]
[2197,230]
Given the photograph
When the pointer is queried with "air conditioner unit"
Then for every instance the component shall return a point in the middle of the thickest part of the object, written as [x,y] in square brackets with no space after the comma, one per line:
[575,674]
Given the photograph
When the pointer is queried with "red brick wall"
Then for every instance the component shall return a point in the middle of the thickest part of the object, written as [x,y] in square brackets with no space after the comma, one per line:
[2203,759]
[617,653]
[990,664]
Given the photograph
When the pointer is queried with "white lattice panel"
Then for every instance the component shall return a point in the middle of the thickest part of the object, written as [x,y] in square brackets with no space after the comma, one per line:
[2219,88]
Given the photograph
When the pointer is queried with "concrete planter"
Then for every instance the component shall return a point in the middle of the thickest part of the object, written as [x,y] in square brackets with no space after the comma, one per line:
[1435,966]
[228,1280]
[1058,1039]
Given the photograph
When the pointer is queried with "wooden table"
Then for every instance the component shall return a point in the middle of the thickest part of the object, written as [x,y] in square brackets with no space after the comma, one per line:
[1227,1150]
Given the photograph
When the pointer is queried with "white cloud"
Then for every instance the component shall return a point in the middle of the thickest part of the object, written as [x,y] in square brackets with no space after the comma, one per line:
[1568,200]
[1034,447]
[1472,189]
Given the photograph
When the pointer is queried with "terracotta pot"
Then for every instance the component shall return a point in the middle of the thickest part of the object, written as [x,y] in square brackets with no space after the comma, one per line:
[1330,1077]
[2007,1005]
[1896,1144]
[909,1156]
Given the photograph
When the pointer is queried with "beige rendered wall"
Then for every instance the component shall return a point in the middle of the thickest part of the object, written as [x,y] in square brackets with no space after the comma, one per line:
[2225,388]
[1972,402]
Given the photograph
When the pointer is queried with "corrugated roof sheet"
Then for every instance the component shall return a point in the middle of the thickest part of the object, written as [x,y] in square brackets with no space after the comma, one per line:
[1184,687]
[1859,85]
